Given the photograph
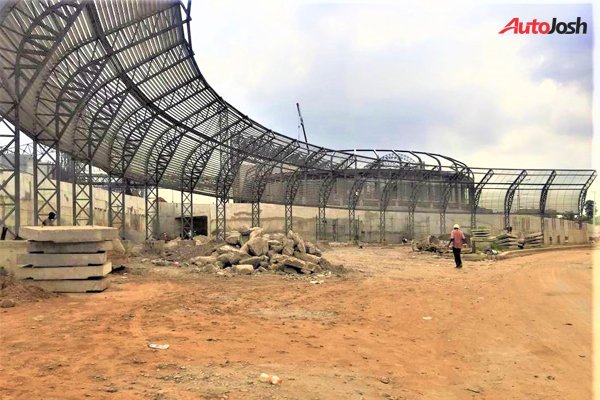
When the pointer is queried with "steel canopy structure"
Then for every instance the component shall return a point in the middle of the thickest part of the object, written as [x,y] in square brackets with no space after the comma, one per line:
[115,85]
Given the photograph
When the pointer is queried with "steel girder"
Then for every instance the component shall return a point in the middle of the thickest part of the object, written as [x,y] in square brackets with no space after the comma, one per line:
[229,169]
[416,188]
[390,186]
[39,36]
[83,208]
[10,165]
[46,181]
[325,192]
[354,195]
[152,215]
[510,194]
[195,163]
[456,179]
[475,196]
[293,184]
[116,203]
[124,93]
[544,198]
[259,183]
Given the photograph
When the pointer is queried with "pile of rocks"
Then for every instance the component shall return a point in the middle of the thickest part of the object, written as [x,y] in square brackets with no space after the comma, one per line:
[250,250]
[430,243]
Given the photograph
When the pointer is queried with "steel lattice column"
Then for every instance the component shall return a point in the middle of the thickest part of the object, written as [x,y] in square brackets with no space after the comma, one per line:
[543,199]
[83,209]
[116,204]
[255,213]
[46,180]
[221,201]
[475,196]
[152,218]
[414,198]
[510,194]
[187,213]
[452,183]
[10,167]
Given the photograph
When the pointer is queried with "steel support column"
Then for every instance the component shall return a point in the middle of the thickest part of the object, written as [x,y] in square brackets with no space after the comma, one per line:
[152,217]
[83,209]
[510,194]
[448,186]
[543,200]
[116,204]
[255,213]
[187,213]
[475,196]
[10,167]
[46,180]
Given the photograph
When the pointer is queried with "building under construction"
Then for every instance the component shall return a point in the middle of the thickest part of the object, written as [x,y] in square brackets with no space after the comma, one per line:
[112,96]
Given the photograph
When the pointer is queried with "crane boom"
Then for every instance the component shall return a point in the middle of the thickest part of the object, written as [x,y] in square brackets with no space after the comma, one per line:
[302,124]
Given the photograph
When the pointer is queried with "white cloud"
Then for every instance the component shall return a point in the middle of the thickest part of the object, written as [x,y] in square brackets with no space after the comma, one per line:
[418,76]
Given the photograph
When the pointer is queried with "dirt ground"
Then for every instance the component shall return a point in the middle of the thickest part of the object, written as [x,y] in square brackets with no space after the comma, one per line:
[400,326]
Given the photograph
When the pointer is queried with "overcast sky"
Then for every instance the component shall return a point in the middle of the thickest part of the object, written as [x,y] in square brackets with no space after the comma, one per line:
[420,77]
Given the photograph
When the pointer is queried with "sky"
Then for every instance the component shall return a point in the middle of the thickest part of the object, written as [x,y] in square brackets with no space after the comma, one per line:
[431,77]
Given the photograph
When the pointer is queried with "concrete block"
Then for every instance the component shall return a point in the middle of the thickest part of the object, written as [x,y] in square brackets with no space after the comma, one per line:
[71,286]
[69,248]
[68,234]
[61,260]
[9,251]
[54,273]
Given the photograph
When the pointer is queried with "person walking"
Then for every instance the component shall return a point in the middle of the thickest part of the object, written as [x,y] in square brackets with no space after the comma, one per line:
[457,238]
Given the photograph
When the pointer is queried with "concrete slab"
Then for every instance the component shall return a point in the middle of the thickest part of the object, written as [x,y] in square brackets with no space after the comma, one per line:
[61,260]
[68,234]
[9,251]
[69,248]
[71,286]
[53,273]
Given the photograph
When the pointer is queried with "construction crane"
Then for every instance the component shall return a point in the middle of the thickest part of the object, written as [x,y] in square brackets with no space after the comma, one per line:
[302,125]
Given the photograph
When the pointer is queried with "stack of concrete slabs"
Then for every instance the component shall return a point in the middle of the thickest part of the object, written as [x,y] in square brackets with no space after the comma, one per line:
[67,258]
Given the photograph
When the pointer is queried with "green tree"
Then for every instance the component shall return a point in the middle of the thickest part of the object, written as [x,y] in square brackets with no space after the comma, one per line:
[589,210]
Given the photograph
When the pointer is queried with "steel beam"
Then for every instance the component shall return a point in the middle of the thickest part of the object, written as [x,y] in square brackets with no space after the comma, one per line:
[544,198]
[10,169]
[447,187]
[510,194]
[152,212]
[83,208]
[116,203]
[475,196]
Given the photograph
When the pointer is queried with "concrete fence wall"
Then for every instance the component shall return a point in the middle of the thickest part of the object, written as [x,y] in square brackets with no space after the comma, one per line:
[304,219]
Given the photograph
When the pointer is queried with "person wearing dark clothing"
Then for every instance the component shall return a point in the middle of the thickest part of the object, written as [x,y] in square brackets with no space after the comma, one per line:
[457,238]
[50,220]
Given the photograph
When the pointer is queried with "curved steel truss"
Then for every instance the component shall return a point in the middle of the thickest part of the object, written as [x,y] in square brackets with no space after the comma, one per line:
[115,85]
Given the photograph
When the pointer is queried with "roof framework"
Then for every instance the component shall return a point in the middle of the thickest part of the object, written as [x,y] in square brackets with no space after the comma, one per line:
[115,85]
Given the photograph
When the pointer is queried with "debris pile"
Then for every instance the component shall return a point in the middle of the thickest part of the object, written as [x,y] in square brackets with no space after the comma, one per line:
[250,250]
[13,291]
[430,243]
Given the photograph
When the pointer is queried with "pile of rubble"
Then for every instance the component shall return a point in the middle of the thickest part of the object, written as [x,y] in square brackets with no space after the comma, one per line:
[250,250]
[430,243]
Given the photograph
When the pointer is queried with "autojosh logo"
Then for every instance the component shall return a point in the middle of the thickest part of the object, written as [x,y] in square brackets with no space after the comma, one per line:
[536,27]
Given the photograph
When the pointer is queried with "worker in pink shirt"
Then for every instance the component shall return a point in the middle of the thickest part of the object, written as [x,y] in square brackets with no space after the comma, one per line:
[457,238]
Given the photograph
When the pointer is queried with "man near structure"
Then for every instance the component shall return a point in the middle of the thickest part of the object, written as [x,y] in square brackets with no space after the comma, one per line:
[457,238]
